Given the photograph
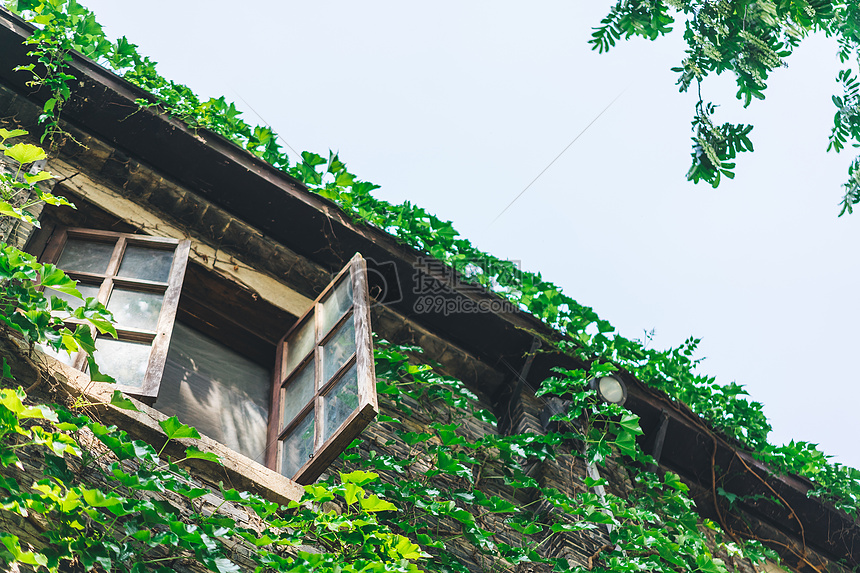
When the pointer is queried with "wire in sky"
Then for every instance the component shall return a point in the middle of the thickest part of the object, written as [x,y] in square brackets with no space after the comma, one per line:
[557,156]
[269,125]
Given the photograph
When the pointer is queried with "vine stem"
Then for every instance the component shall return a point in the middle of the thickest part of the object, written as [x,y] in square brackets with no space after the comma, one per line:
[722,520]
[592,558]
[791,509]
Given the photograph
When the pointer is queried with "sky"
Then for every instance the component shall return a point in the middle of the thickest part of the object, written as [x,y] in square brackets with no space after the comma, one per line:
[458,106]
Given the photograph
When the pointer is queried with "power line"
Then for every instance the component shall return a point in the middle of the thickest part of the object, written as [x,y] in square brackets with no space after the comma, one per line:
[558,156]
[269,125]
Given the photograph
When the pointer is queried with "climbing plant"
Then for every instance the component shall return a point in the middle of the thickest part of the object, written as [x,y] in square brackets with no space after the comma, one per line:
[461,485]
[37,315]
[122,526]
[431,495]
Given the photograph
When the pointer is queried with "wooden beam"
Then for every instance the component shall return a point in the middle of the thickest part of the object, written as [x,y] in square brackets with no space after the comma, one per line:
[206,255]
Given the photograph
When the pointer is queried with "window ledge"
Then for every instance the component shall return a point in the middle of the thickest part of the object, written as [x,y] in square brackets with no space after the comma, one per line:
[235,471]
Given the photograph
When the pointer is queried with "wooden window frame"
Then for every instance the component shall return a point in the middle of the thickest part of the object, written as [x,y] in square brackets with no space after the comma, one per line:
[324,452]
[159,338]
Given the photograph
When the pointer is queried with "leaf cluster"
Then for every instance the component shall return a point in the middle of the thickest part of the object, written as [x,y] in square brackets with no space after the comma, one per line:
[442,483]
[128,518]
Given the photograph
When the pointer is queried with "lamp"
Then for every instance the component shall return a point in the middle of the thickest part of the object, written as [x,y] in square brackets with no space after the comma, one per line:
[610,389]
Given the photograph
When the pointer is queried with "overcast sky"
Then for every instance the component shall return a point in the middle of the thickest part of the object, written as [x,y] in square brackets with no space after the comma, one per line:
[458,106]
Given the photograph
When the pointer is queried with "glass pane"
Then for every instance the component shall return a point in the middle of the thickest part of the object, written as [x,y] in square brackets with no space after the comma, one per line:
[336,304]
[338,349]
[135,309]
[340,402]
[297,448]
[298,392]
[216,390]
[146,263]
[85,256]
[300,343]
[125,361]
[88,291]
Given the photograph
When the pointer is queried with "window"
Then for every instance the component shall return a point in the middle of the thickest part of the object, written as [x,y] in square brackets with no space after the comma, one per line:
[320,396]
[138,279]
[325,391]
[222,393]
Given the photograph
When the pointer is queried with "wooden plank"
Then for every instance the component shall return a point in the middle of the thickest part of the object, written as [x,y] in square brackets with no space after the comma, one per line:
[268,288]
[329,451]
[54,247]
[140,285]
[135,335]
[274,411]
[116,256]
[39,240]
[161,344]
[88,234]
[365,368]
[151,241]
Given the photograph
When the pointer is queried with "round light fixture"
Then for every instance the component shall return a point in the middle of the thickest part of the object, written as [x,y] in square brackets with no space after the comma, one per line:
[610,389]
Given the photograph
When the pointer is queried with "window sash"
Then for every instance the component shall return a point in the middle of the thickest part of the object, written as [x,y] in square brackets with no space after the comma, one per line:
[159,337]
[325,451]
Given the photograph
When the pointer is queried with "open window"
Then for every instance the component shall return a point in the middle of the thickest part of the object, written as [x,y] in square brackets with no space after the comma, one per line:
[325,386]
[139,279]
[190,357]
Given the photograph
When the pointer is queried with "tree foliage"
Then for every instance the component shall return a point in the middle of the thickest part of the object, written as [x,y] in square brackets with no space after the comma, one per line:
[749,39]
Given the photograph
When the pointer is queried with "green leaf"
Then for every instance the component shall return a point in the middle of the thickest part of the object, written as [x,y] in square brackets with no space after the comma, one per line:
[56,279]
[7,210]
[177,430]
[6,133]
[344,179]
[121,401]
[97,375]
[27,557]
[374,503]
[96,498]
[84,338]
[359,477]
[578,526]
[194,453]
[406,549]
[25,153]
[352,493]
[630,422]
[51,199]
[626,443]
[40,176]
[672,480]
[318,493]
